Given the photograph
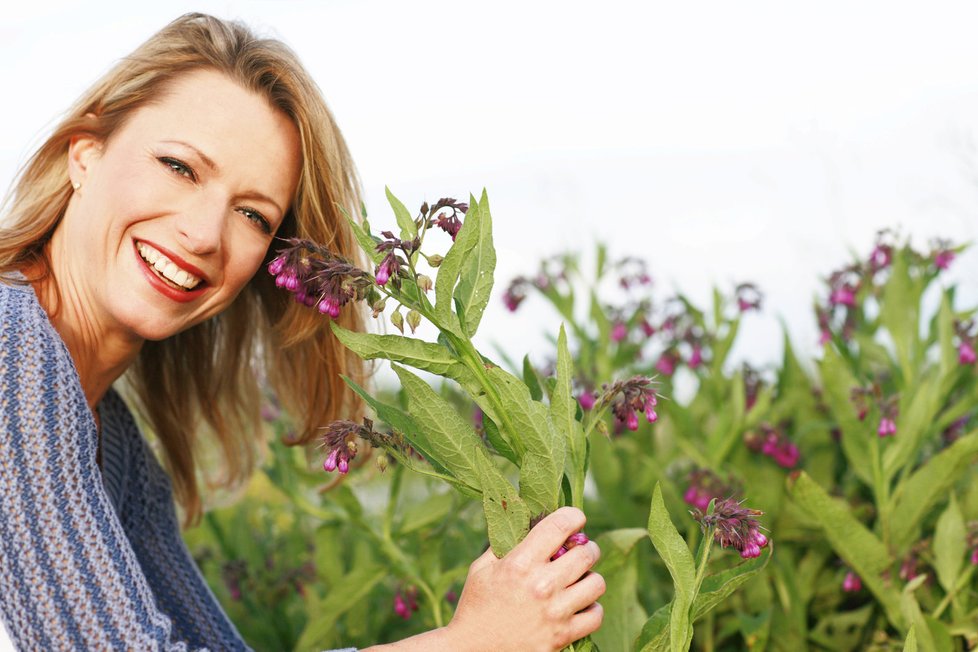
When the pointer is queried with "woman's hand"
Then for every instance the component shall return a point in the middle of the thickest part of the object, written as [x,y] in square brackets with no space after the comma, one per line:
[525,602]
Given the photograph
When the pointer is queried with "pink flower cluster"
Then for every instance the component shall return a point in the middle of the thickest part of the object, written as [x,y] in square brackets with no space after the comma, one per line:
[772,442]
[737,527]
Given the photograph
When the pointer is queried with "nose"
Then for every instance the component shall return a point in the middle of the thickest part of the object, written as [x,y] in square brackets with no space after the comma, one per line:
[200,228]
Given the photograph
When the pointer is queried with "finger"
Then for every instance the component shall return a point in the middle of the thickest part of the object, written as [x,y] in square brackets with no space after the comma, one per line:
[582,594]
[549,534]
[482,561]
[575,562]
[586,622]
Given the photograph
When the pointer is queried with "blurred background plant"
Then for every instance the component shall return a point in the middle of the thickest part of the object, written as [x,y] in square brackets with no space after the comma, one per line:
[862,461]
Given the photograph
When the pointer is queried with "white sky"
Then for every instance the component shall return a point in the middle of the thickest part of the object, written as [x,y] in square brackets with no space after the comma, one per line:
[721,141]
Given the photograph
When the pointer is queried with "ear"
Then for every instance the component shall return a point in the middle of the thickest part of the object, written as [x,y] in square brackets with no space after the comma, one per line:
[84,150]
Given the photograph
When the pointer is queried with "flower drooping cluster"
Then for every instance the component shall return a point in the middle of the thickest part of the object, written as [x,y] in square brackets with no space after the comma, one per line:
[447,222]
[735,526]
[339,439]
[888,407]
[851,583]
[964,330]
[406,602]
[629,397]
[318,277]
[843,309]
[942,253]
[772,442]
[704,486]
[392,266]
[748,297]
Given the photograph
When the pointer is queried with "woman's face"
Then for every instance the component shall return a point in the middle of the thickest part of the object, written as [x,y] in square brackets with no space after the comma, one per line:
[177,209]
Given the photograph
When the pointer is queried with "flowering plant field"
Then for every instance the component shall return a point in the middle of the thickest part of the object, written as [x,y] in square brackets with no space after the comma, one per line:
[861,461]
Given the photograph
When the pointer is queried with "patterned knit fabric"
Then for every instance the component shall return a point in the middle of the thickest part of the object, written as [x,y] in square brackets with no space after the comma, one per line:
[88,560]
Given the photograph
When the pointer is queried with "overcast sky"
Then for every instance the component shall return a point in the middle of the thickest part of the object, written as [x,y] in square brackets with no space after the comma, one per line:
[722,142]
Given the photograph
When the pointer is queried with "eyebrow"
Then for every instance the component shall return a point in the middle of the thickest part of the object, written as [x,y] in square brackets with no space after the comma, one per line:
[209,162]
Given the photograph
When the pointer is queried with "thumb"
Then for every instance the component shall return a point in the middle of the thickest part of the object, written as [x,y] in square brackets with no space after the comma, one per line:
[483,561]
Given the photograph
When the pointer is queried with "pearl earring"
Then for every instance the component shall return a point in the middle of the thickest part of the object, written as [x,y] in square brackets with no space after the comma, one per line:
[76,185]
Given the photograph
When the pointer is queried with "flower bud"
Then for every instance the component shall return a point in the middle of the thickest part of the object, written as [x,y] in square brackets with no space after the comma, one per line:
[413,319]
[397,320]
[378,306]
[435,260]
[383,461]
[424,283]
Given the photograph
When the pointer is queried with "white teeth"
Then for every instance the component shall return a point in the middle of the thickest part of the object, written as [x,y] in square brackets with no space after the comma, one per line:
[166,267]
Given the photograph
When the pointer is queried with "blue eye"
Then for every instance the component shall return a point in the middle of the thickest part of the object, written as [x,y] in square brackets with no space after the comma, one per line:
[178,167]
[257,218]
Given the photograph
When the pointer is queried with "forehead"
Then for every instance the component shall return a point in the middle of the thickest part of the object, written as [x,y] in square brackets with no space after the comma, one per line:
[233,126]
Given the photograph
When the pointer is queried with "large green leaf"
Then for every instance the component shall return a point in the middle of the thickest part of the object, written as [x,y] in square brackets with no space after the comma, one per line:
[624,615]
[404,220]
[900,314]
[837,384]
[916,496]
[477,273]
[850,539]
[450,438]
[563,414]
[417,437]
[655,633]
[451,267]
[507,516]
[419,354]
[950,545]
[717,588]
[543,462]
[679,561]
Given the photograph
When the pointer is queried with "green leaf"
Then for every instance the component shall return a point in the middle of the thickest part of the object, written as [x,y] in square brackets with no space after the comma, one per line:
[416,436]
[367,243]
[419,354]
[837,383]
[496,440]
[912,614]
[476,275]
[655,633]
[451,440]
[678,560]
[917,495]
[910,644]
[357,584]
[624,615]
[404,220]
[531,380]
[563,414]
[543,463]
[448,272]
[717,588]
[850,539]
[507,516]
[900,313]
[950,545]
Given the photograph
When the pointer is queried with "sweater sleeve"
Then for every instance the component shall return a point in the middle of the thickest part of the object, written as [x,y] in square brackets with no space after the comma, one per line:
[69,579]
[149,519]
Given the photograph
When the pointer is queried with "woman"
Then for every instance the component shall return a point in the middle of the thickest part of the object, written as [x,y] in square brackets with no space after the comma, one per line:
[130,246]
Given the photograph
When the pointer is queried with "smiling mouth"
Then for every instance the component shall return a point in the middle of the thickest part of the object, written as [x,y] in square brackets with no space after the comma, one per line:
[166,269]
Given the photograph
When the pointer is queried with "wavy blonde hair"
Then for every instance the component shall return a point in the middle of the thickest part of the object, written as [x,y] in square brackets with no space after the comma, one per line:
[203,383]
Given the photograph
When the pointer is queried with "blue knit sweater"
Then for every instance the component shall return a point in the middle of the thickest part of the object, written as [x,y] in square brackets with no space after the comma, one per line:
[88,560]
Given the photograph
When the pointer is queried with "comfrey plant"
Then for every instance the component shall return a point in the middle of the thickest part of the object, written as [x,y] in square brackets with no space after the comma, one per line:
[543,429]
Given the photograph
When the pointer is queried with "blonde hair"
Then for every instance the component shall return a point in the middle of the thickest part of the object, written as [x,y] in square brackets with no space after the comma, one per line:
[204,381]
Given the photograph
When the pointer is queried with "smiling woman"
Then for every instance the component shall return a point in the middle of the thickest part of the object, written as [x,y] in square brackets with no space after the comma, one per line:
[129,250]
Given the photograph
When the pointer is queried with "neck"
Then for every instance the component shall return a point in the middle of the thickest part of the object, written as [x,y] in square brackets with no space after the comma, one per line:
[101,353]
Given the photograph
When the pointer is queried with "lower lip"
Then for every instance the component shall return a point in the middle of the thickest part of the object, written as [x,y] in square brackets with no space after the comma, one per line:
[180,296]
